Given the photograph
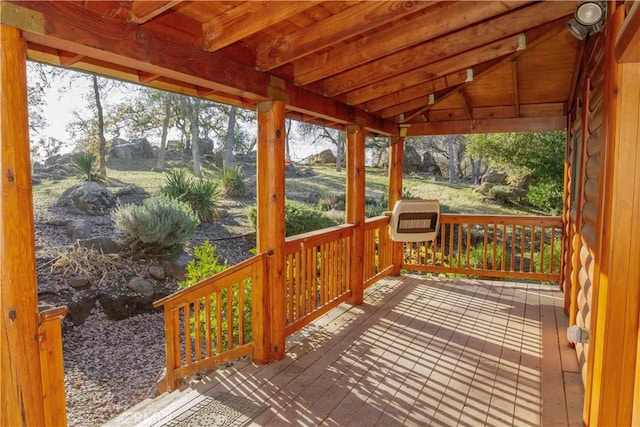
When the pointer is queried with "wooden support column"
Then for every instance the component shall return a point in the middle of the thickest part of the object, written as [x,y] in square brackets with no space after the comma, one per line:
[613,348]
[270,224]
[396,153]
[355,207]
[21,383]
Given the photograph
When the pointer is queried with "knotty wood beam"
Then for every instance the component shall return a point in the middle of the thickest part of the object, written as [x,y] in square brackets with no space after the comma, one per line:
[436,21]
[616,289]
[355,212]
[21,380]
[534,38]
[449,45]
[521,124]
[514,76]
[270,222]
[435,70]
[396,154]
[368,15]
[246,19]
[73,28]
[143,11]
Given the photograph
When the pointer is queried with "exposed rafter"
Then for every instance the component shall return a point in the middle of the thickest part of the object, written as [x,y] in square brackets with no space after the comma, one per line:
[447,46]
[335,28]
[143,11]
[240,21]
[441,18]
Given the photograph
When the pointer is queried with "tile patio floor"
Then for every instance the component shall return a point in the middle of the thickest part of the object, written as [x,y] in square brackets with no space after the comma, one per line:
[420,351]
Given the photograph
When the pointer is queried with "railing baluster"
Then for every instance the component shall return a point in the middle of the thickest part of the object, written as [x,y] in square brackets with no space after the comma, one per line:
[229,291]
[197,325]
[207,324]
[219,311]
[533,243]
[542,239]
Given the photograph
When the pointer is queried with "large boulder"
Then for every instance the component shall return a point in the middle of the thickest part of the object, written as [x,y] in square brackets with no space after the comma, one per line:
[323,157]
[495,178]
[144,147]
[412,161]
[429,165]
[88,197]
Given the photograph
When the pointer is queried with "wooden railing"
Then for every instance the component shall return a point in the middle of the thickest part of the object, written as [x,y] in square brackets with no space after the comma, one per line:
[377,250]
[213,321]
[519,247]
[52,366]
[317,274]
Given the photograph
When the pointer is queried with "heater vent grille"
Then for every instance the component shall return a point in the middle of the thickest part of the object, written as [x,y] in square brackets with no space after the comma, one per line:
[414,220]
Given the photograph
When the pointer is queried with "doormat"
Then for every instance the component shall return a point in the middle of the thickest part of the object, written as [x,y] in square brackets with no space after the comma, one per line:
[221,410]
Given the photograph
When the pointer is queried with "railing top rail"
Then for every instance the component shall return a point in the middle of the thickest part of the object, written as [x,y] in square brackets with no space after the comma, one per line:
[53,313]
[181,294]
[371,222]
[501,219]
[318,237]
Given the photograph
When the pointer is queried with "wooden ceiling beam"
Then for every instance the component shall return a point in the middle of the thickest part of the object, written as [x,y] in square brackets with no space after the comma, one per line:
[432,71]
[143,11]
[438,20]
[449,45]
[534,37]
[67,59]
[72,28]
[461,127]
[144,77]
[407,99]
[466,103]
[243,21]
[368,15]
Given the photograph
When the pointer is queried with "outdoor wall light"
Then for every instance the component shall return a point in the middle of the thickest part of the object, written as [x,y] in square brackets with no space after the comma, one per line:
[588,19]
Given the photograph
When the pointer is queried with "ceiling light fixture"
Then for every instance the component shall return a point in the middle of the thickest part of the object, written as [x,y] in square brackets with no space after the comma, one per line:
[588,19]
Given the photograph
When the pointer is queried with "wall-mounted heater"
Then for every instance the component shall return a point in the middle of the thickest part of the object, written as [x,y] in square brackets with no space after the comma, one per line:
[414,220]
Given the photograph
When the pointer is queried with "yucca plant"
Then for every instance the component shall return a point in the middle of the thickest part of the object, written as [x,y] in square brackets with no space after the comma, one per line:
[201,195]
[233,182]
[203,198]
[85,164]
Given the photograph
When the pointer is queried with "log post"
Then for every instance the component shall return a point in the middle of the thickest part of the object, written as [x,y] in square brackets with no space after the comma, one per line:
[270,224]
[396,153]
[615,325]
[21,380]
[355,208]
[52,365]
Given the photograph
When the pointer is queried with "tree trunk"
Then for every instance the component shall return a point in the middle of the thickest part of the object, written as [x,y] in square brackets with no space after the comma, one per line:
[338,156]
[195,139]
[227,161]
[452,159]
[165,130]
[287,149]
[102,143]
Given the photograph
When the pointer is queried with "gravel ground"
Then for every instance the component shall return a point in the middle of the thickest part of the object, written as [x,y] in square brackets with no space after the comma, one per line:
[113,365]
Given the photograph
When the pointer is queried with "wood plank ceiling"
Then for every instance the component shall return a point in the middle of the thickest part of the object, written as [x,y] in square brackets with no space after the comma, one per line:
[440,66]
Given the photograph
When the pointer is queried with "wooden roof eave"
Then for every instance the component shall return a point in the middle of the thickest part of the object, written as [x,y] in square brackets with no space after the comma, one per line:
[79,31]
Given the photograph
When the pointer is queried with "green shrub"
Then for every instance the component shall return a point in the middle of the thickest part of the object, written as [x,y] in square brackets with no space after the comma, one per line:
[557,254]
[85,164]
[200,194]
[161,226]
[335,201]
[205,264]
[299,218]
[546,195]
[502,194]
[233,183]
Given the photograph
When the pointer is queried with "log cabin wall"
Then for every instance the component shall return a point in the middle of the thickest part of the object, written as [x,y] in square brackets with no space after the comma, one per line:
[584,159]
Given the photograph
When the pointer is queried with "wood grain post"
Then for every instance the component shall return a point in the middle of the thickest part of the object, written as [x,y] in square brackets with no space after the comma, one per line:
[52,364]
[21,380]
[396,153]
[613,345]
[355,208]
[270,224]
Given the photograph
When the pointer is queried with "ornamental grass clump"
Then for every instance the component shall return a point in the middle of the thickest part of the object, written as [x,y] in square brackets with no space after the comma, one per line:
[161,226]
